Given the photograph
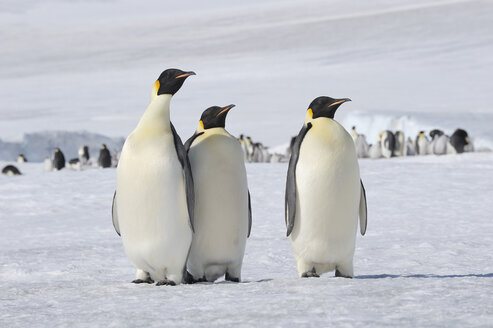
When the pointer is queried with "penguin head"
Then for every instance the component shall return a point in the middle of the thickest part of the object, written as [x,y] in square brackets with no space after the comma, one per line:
[57,150]
[169,82]
[325,107]
[421,134]
[462,135]
[214,117]
[435,132]
[103,146]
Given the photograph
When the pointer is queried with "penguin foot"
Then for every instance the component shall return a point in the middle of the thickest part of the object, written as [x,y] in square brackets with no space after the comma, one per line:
[310,274]
[189,279]
[339,274]
[229,278]
[166,282]
[141,281]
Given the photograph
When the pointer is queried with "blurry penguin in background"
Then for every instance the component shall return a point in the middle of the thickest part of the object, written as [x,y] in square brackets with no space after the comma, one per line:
[400,143]
[387,143]
[422,144]
[362,148]
[11,170]
[74,163]
[104,159]
[434,135]
[410,148]
[438,143]
[58,159]
[354,134]
[21,159]
[83,155]
[241,140]
[460,141]
[441,145]
[48,164]
[375,150]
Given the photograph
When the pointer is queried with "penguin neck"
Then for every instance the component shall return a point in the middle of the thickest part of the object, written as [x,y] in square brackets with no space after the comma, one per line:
[156,118]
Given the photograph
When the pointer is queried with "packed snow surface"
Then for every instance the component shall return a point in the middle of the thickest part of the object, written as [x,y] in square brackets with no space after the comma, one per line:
[426,260]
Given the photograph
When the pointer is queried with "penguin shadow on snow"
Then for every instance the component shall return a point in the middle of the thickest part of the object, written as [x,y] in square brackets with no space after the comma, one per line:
[426,276]
[226,282]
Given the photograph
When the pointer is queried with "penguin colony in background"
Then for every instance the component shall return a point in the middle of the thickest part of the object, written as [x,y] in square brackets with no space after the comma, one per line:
[393,144]
[184,212]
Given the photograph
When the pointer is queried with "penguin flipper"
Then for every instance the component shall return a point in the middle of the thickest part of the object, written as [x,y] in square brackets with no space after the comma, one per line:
[190,140]
[114,215]
[290,196]
[362,210]
[249,215]
[187,171]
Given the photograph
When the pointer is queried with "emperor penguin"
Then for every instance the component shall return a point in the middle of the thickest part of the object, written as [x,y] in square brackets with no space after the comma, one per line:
[375,150]
[410,148]
[223,217]
[153,202]
[354,134]
[21,159]
[48,164]
[460,141]
[104,159]
[249,149]
[400,143]
[362,148]
[11,170]
[422,144]
[83,155]
[58,159]
[387,143]
[324,194]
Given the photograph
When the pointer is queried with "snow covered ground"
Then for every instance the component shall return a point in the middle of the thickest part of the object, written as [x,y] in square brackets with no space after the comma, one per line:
[426,260]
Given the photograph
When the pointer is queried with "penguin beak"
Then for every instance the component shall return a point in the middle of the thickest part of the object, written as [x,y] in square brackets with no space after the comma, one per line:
[225,109]
[339,101]
[187,74]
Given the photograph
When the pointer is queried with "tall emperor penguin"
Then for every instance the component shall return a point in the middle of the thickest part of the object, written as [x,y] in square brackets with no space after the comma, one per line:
[153,201]
[324,194]
[223,217]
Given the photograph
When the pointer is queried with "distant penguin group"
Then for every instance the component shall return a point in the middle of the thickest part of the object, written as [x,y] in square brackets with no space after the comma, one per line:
[184,212]
[394,144]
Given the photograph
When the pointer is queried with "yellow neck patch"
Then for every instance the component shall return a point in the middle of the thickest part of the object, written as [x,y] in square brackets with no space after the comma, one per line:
[156,87]
[310,112]
[201,124]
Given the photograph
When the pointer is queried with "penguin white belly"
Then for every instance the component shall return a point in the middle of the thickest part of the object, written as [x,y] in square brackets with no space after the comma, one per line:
[221,206]
[328,195]
[152,207]
[423,146]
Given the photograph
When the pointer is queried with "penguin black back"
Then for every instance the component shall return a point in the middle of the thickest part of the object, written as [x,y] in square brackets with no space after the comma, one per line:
[58,159]
[389,142]
[85,153]
[459,139]
[104,159]
[11,170]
